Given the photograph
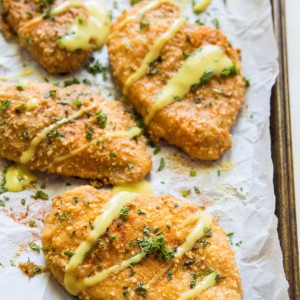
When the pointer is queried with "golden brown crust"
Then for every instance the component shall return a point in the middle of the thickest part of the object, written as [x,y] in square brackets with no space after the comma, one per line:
[39,38]
[58,237]
[202,129]
[116,160]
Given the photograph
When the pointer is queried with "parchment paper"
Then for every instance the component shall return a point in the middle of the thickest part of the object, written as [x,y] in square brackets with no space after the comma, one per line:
[238,189]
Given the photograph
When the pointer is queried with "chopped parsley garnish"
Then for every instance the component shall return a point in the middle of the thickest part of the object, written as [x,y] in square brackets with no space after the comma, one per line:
[156,245]
[216,23]
[112,238]
[4,104]
[133,2]
[130,166]
[197,190]
[156,150]
[40,195]
[144,23]
[101,119]
[55,134]
[140,212]
[199,275]
[230,235]
[72,81]
[19,87]
[95,67]
[231,71]
[34,247]
[197,100]
[176,98]
[72,234]
[206,77]
[141,290]
[25,135]
[185,193]
[69,253]
[52,93]
[169,275]
[62,101]
[193,173]
[89,134]
[188,262]
[124,213]
[112,154]
[247,81]
[64,216]
[20,108]
[76,103]
[199,22]
[207,232]
[162,165]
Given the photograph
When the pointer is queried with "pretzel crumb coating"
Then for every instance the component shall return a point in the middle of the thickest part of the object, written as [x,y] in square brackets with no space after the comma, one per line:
[70,131]
[199,122]
[157,221]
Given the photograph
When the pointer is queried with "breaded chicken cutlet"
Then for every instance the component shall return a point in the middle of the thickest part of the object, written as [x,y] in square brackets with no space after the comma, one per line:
[60,34]
[131,246]
[184,79]
[70,131]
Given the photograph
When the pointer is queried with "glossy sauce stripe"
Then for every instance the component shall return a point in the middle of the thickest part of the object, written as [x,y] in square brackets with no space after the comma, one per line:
[152,5]
[30,151]
[131,133]
[153,54]
[207,58]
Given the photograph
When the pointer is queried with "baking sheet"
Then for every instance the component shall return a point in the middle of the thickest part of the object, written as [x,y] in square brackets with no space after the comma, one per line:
[238,189]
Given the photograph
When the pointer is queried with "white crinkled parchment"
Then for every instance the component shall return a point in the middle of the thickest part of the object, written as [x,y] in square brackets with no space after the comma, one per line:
[238,189]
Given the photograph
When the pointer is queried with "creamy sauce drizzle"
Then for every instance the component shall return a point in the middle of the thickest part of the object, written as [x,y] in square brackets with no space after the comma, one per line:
[83,31]
[17,177]
[142,11]
[201,6]
[30,152]
[24,73]
[153,54]
[111,211]
[208,57]
[142,187]
[204,221]
[131,133]
[207,282]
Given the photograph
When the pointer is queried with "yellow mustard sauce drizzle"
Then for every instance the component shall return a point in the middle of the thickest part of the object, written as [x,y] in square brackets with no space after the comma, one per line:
[30,151]
[207,58]
[153,54]
[152,5]
[142,187]
[131,133]
[24,73]
[204,221]
[201,6]
[83,31]
[17,177]
[207,282]
[111,211]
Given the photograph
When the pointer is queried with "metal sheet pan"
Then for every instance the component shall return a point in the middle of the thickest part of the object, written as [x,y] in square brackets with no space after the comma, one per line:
[283,158]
